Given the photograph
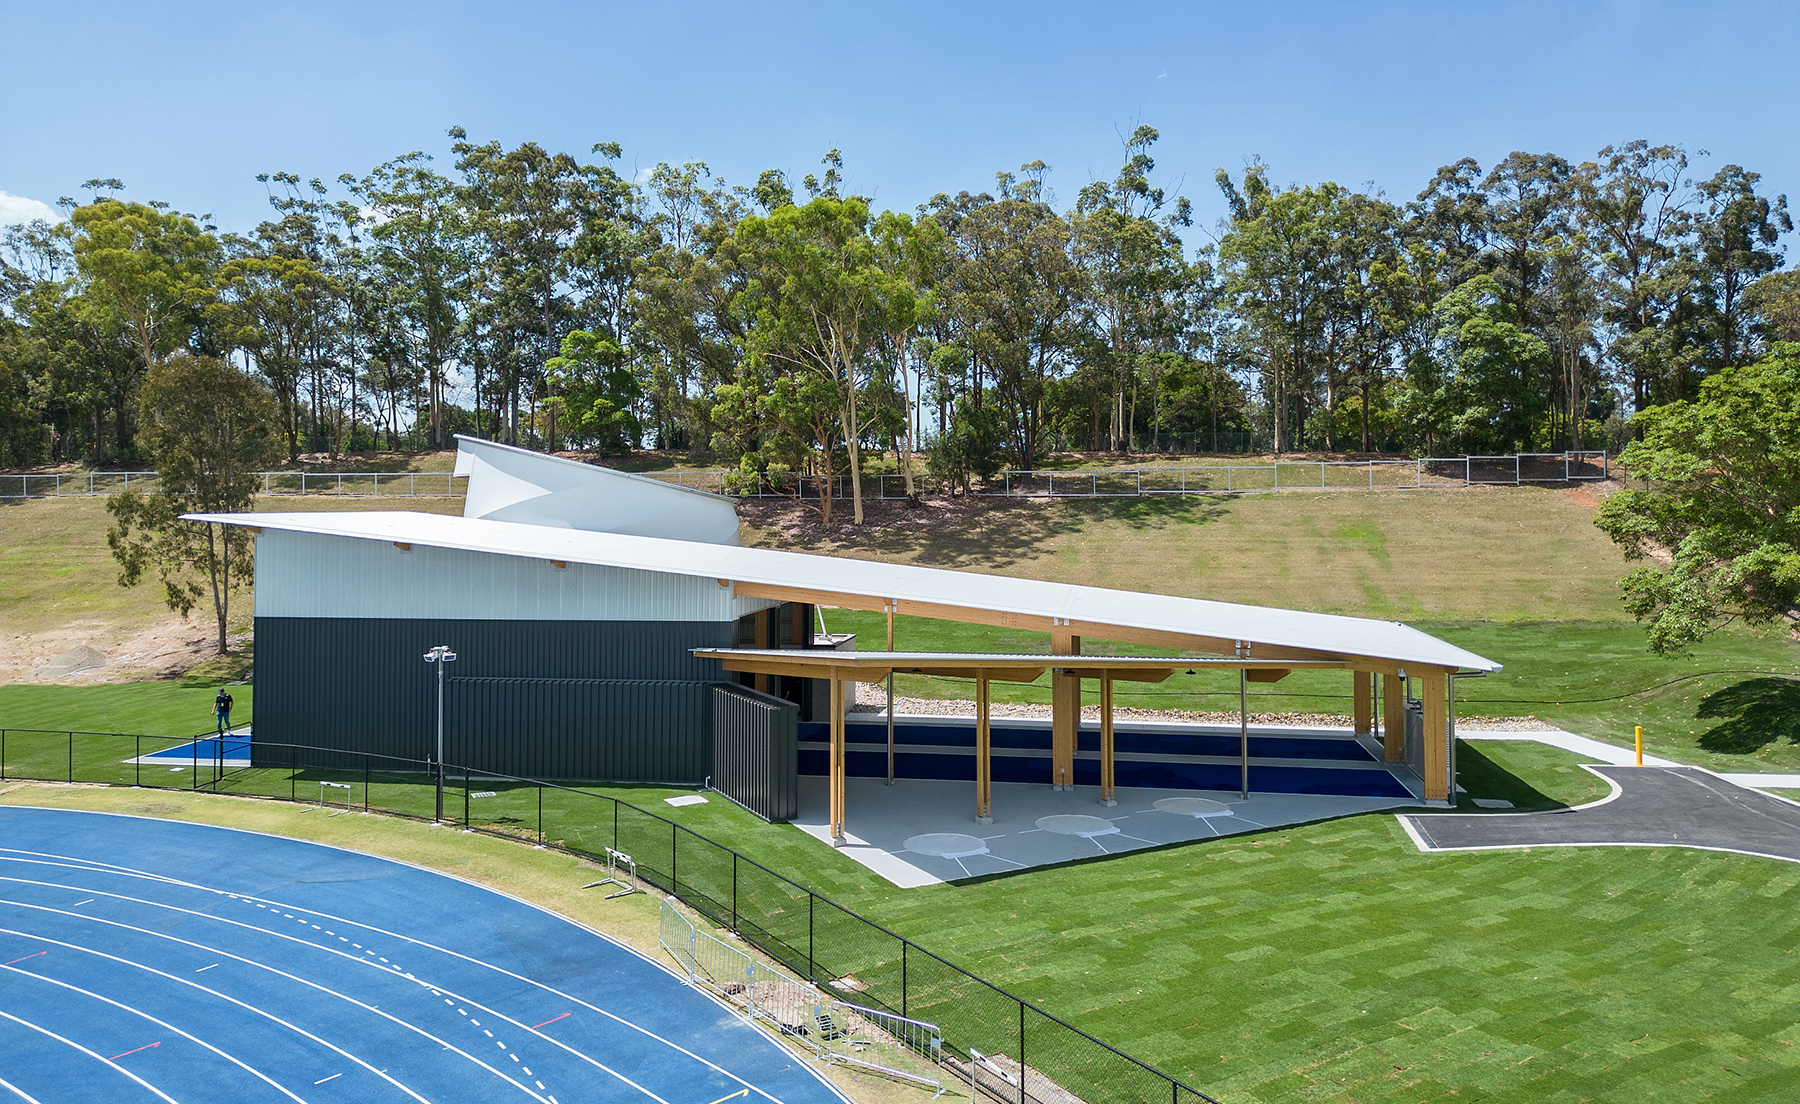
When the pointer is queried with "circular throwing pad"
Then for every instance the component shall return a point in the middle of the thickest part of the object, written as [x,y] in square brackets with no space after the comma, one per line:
[946,845]
[1193,807]
[1070,824]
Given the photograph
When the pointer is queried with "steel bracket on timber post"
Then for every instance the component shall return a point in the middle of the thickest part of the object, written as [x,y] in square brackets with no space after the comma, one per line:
[1065,713]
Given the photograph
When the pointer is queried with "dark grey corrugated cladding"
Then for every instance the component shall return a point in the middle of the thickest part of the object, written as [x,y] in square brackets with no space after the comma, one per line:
[756,757]
[601,729]
[361,684]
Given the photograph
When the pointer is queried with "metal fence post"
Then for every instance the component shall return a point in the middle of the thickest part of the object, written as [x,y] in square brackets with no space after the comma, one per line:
[293,768]
[365,783]
[2,754]
[674,839]
[71,757]
[137,763]
[540,814]
[812,972]
[903,945]
[1022,1052]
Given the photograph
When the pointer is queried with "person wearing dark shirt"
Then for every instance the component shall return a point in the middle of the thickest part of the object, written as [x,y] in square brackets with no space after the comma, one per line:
[222,710]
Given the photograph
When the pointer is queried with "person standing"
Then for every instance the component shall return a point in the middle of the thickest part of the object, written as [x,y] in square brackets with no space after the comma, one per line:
[222,710]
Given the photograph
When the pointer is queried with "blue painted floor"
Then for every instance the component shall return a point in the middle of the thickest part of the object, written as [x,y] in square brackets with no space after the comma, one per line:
[148,960]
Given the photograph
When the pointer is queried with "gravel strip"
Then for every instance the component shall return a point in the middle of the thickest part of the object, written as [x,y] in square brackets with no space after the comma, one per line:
[872,698]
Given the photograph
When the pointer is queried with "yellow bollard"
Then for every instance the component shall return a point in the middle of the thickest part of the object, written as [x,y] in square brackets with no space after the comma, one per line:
[1640,744]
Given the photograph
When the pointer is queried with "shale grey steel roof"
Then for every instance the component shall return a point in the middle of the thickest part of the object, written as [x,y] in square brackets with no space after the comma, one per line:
[1356,636]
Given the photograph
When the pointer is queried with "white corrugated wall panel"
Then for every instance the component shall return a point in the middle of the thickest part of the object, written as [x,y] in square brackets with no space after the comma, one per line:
[311,575]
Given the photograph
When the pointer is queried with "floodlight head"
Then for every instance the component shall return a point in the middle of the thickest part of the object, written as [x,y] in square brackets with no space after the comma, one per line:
[441,652]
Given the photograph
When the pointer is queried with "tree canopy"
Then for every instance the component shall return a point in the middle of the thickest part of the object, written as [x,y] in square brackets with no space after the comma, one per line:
[794,329]
[1722,515]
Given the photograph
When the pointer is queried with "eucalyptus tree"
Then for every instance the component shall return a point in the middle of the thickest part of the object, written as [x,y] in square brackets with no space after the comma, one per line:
[1135,267]
[153,265]
[912,252]
[421,258]
[210,428]
[1633,203]
[1367,311]
[273,307]
[821,304]
[1018,294]
[541,216]
[1736,240]
[686,323]
[1277,258]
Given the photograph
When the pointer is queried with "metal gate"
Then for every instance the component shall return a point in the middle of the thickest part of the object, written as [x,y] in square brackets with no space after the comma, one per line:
[1415,737]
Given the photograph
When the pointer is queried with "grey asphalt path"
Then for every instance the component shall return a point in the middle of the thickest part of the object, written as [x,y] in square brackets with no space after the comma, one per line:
[1653,806]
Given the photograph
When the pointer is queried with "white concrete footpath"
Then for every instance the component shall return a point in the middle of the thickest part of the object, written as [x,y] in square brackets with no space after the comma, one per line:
[1626,757]
[1568,741]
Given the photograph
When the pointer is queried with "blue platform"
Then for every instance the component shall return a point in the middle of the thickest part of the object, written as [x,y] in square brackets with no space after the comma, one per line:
[1149,756]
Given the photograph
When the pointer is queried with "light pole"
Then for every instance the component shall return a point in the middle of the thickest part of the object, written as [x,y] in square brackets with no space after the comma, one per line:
[440,655]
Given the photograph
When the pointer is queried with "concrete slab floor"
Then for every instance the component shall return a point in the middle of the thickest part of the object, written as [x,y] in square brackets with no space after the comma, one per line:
[922,832]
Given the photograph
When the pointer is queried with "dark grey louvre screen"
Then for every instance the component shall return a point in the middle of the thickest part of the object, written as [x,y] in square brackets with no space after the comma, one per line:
[756,759]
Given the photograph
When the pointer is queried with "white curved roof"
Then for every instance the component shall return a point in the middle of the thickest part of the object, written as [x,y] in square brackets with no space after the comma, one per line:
[535,488]
[1354,636]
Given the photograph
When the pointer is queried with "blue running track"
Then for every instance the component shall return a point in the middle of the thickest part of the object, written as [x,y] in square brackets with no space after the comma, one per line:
[150,960]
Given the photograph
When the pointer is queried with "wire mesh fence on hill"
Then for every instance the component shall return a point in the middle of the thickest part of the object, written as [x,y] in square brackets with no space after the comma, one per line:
[1215,477]
[1015,1053]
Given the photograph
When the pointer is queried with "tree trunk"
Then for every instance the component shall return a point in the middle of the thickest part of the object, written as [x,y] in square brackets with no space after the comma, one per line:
[220,593]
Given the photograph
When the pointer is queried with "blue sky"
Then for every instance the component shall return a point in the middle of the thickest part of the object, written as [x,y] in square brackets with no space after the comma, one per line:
[187,102]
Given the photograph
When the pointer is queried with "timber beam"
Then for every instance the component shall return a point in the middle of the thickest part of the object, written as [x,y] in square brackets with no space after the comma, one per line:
[1056,626]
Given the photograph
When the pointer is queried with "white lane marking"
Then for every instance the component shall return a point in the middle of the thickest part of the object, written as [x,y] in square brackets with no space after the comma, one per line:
[224,997]
[252,1070]
[330,950]
[259,965]
[29,1099]
[714,1066]
[78,904]
[90,1054]
[333,1077]
[203,969]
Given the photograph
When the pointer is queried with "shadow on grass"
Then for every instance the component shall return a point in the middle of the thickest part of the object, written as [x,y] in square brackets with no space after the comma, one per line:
[1753,714]
[1482,777]
[220,670]
[1002,533]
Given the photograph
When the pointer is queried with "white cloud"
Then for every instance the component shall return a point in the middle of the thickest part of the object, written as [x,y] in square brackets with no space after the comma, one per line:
[14,209]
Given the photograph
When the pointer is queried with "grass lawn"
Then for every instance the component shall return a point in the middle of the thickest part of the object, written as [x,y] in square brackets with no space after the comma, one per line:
[1499,554]
[56,571]
[173,708]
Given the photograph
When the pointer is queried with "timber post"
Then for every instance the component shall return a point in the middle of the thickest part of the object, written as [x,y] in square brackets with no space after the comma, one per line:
[1393,718]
